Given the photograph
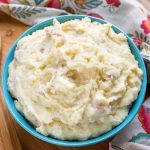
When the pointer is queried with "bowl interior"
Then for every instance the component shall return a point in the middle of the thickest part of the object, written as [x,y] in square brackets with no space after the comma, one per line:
[28,127]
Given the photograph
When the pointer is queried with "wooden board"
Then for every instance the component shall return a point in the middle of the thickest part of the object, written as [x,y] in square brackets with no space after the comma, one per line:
[12,136]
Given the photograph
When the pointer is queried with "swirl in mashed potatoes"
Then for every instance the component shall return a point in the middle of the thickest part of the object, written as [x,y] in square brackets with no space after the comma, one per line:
[74,80]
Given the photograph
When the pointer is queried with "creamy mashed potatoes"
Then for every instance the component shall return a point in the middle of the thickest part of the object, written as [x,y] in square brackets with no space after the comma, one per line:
[74,80]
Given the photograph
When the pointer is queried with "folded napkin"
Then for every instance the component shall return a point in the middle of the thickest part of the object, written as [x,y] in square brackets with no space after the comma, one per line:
[130,16]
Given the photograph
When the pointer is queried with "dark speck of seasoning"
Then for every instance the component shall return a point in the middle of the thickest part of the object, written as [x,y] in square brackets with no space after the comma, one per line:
[42,50]
[16,59]
[48,33]
[63,65]
[17,48]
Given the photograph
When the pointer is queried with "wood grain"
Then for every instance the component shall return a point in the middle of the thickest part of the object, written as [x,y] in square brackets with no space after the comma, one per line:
[9,139]
[12,136]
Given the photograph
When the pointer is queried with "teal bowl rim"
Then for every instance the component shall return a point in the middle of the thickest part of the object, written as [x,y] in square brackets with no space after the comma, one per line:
[20,119]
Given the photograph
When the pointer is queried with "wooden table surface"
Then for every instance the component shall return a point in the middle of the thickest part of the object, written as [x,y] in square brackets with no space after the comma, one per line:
[12,136]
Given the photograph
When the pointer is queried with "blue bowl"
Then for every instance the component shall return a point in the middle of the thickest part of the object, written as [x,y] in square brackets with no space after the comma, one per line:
[29,128]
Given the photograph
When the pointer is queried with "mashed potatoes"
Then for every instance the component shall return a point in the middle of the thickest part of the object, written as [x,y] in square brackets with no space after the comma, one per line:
[74,80]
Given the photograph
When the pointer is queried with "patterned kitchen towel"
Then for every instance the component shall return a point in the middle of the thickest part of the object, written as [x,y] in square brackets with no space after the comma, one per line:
[136,136]
[130,16]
